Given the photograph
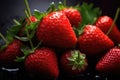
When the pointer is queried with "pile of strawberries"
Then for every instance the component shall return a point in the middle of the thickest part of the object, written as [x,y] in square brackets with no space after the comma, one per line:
[62,40]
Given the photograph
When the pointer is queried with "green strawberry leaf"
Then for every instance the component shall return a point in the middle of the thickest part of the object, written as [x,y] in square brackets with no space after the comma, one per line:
[32,29]
[39,15]
[11,32]
[78,31]
[77,60]
[32,26]
[26,50]
[14,30]
[22,38]
[19,59]
[51,8]
[89,13]
[61,6]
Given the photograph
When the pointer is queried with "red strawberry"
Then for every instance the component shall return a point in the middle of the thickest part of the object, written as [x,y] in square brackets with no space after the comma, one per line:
[104,23]
[110,62]
[73,62]
[55,30]
[27,21]
[93,41]
[31,19]
[43,62]
[73,15]
[10,53]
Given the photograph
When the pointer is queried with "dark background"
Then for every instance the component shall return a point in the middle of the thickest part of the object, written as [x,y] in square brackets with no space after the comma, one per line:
[10,9]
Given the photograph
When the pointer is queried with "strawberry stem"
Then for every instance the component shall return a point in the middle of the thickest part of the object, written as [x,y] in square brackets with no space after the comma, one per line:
[16,22]
[38,45]
[27,15]
[116,16]
[30,41]
[64,2]
[4,39]
[27,7]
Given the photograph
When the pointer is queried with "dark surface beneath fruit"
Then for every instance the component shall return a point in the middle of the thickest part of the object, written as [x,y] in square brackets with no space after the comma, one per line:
[9,12]
[21,74]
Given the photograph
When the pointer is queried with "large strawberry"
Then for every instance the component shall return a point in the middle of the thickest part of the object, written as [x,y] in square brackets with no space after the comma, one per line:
[104,23]
[10,53]
[73,63]
[55,30]
[73,15]
[110,62]
[93,41]
[42,62]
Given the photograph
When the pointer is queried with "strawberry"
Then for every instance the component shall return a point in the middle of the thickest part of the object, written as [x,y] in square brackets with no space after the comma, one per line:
[29,22]
[110,62]
[73,15]
[10,53]
[55,30]
[73,62]
[42,62]
[104,23]
[31,19]
[93,41]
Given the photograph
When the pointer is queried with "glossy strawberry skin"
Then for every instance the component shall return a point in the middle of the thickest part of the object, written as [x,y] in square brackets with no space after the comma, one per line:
[93,41]
[55,30]
[43,62]
[10,53]
[110,62]
[33,19]
[73,15]
[67,68]
[104,23]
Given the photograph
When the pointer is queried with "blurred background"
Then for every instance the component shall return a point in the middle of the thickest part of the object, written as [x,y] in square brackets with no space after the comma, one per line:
[10,9]
[16,7]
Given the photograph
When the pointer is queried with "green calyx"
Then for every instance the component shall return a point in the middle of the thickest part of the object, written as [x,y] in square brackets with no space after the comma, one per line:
[10,33]
[89,13]
[77,60]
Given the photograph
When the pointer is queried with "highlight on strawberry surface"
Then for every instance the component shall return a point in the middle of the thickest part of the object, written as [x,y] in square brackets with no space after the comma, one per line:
[63,42]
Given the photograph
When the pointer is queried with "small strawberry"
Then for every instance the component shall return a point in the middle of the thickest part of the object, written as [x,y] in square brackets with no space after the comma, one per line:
[10,53]
[29,22]
[73,15]
[73,62]
[43,62]
[110,62]
[31,19]
[104,23]
[93,41]
[55,30]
